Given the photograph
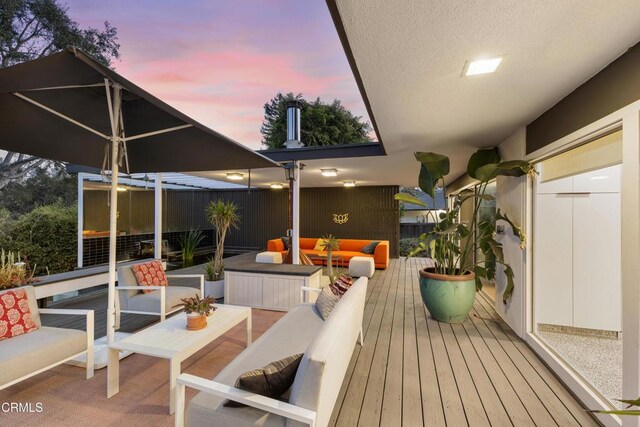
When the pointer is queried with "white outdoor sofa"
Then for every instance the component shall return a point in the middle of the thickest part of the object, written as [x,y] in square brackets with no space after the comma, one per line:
[327,347]
[160,302]
[29,354]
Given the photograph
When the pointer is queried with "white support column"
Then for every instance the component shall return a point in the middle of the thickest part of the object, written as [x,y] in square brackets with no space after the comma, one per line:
[630,257]
[80,218]
[157,243]
[114,111]
[295,234]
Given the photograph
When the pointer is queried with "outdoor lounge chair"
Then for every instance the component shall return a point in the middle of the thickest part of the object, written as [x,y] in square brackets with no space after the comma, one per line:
[160,302]
[26,355]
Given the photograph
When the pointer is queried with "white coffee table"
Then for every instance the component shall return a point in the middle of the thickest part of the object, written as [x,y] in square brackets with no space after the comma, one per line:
[171,340]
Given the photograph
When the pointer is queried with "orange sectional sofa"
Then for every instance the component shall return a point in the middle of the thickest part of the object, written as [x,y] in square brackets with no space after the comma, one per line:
[348,248]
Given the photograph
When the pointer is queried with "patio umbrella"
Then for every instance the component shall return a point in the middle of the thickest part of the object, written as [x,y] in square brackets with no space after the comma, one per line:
[71,108]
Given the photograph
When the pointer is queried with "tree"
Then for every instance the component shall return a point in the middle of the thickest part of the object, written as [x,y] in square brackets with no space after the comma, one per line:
[45,186]
[31,29]
[321,123]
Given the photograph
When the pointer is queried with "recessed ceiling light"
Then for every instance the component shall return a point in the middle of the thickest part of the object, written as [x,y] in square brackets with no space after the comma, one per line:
[349,183]
[235,176]
[122,189]
[329,172]
[481,66]
[599,178]
[276,186]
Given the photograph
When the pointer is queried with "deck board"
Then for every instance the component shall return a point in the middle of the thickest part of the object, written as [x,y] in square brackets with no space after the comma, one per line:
[413,370]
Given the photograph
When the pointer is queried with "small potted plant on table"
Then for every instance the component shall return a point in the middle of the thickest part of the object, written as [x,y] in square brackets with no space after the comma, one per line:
[448,289]
[197,309]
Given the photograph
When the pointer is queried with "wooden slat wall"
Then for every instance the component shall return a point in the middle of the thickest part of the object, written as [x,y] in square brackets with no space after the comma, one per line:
[373,213]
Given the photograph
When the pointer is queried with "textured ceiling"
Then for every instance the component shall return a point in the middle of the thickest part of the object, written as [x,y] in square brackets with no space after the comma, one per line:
[410,55]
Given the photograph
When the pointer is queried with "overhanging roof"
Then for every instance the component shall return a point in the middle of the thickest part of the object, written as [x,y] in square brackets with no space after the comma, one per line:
[408,56]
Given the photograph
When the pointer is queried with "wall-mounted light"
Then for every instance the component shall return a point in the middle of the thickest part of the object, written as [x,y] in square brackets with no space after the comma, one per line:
[329,172]
[349,183]
[276,186]
[235,176]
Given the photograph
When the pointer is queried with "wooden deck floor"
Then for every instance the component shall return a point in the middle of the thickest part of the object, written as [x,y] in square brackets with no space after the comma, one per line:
[414,371]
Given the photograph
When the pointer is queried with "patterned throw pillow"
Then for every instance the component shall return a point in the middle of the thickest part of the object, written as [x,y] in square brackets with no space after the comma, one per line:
[15,315]
[326,301]
[330,295]
[150,274]
[272,380]
[342,285]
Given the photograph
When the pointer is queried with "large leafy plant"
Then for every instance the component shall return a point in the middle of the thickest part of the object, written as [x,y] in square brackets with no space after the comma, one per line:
[452,243]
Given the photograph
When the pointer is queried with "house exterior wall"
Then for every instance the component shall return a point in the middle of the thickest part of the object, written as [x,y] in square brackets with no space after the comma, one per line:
[511,198]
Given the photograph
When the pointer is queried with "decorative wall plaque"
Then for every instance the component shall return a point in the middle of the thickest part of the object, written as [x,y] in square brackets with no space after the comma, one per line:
[340,218]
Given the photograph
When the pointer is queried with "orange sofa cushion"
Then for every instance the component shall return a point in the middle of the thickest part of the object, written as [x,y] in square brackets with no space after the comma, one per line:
[349,248]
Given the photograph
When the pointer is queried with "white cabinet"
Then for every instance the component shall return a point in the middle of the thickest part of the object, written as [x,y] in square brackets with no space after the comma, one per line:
[577,256]
[562,185]
[597,281]
[554,273]
[605,180]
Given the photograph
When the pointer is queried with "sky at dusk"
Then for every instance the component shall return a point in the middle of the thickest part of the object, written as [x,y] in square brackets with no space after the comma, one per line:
[220,61]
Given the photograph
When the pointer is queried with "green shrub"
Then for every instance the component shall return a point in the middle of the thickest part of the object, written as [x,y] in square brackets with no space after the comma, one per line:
[407,245]
[46,237]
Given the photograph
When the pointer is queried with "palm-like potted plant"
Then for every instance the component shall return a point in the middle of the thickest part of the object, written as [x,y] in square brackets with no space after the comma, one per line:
[329,244]
[448,289]
[223,215]
[197,310]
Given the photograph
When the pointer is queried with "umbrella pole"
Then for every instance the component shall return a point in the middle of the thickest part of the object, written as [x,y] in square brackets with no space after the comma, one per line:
[114,113]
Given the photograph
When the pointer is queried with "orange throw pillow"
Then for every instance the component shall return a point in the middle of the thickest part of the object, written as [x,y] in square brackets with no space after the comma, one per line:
[150,274]
[15,315]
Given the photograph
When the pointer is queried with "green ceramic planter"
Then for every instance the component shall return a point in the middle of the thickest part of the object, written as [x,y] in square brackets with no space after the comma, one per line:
[448,298]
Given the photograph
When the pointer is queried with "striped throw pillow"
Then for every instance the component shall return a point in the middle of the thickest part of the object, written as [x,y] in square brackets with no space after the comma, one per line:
[342,285]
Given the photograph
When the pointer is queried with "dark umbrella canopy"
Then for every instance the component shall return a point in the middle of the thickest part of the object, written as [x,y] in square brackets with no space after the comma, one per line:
[72,84]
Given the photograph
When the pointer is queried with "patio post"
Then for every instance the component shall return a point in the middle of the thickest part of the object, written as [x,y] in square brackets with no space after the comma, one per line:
[630,266]
[80,218]
[157,244]
[295,233]
[114,116]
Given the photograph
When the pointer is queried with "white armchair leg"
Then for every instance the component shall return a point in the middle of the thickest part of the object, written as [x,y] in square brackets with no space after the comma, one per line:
[179,404]
[360,338]
[163,304]
[90,344]
[118,314]
[201,286]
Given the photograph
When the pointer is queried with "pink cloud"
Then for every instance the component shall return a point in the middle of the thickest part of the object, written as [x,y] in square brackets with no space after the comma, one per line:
[219,62]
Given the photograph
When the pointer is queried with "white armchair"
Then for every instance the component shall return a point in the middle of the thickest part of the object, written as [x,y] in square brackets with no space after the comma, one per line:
[160,302]
[29,354]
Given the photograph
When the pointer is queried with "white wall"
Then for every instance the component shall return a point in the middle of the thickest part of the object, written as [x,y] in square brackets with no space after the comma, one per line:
[511,198]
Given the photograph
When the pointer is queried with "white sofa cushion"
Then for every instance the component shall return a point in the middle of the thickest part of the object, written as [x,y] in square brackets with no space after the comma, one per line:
[25,354]
[325,362]
[290,335]
[151,302]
